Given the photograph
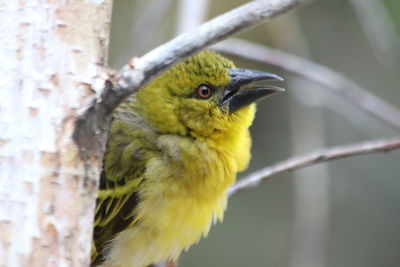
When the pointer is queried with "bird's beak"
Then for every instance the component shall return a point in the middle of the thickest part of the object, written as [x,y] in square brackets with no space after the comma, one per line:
[246,87]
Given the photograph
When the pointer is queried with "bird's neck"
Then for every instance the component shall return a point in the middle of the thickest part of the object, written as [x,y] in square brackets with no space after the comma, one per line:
[206,167]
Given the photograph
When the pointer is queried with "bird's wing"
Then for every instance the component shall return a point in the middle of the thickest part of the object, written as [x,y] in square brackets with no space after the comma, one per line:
[114,213]
[128,150]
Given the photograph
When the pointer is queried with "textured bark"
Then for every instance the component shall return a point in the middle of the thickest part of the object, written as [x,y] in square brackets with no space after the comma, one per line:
[51,52]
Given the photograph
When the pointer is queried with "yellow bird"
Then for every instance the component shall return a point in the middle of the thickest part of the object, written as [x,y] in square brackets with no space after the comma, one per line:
[174,149]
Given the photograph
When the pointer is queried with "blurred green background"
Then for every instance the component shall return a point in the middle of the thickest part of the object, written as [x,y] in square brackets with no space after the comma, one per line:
[343,213]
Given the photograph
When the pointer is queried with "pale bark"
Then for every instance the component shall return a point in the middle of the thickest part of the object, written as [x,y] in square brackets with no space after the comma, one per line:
[51,52]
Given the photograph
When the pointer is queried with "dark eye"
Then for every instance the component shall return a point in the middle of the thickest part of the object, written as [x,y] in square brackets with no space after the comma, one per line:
[203,91]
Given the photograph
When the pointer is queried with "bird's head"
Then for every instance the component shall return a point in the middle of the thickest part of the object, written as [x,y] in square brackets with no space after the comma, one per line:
[203,96]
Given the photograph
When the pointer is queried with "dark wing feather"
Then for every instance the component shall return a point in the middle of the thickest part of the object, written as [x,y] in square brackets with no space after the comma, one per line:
[128,150]
[113,215]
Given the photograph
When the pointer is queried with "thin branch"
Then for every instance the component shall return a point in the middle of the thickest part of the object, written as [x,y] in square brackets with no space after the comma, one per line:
[379,29]
[333,80]
[311,188]
[148,17]
[316,157]
[135,74]
[132,77]
[190,14]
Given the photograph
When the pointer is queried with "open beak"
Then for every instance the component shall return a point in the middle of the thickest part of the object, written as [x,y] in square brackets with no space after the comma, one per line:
[246,87]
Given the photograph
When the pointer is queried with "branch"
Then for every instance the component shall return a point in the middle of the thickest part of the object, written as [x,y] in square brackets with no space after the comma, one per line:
[333,80]
[316,157]
[183,46]
[139,71]
[379,29]
[190,14]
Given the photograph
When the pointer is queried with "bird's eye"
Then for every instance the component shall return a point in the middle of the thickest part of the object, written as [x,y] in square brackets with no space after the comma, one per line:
[203,91]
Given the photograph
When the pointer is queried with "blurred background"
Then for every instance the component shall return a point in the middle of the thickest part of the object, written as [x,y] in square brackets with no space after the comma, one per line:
[343,213]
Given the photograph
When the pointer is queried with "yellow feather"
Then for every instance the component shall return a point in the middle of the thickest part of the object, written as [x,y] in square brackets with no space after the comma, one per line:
[169,162]
[183,198]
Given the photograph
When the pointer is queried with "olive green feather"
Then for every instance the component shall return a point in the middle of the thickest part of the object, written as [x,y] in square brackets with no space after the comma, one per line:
[128,149]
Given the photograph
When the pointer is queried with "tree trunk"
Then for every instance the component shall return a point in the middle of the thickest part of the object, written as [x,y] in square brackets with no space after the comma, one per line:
[51,52]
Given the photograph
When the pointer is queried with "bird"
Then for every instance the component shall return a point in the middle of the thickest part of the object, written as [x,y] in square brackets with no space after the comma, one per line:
[174,148]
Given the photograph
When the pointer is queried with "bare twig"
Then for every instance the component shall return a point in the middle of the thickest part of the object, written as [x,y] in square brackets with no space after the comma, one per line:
[190,14]
[333,80]
[311,187]
[379,29]
[181,47]
[147,18]
[135,75]
[316,157]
